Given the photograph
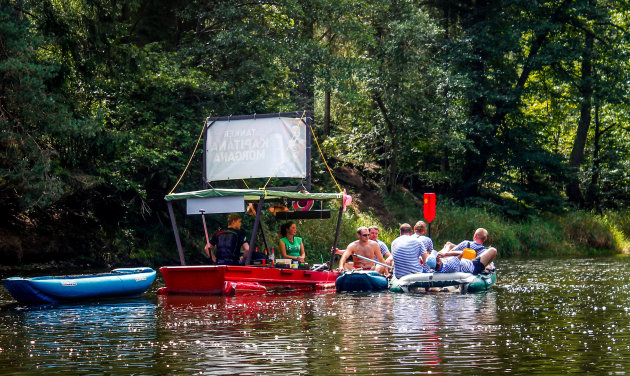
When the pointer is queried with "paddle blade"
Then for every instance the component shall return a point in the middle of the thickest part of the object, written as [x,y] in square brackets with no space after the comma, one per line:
[429,206]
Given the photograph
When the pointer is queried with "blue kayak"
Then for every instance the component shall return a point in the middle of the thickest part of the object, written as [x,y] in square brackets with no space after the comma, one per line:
[361,280]
[123,282]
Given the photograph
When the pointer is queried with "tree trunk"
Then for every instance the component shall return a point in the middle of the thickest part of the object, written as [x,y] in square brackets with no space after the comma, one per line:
[327,113]
[392,168]
[593,192]
[476,163]
[577,153]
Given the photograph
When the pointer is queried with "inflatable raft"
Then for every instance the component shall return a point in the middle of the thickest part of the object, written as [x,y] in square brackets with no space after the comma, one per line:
[452,282]
[361,280]
[123,282]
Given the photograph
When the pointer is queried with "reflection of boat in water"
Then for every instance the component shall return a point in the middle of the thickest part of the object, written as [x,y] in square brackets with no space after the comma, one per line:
[223,135]
[361,280]
[123,282]
[452,282]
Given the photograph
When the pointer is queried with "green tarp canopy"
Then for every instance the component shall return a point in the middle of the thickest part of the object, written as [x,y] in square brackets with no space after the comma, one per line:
[253,195]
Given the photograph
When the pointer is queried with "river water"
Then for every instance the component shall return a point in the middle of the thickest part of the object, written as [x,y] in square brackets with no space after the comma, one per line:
[552,316]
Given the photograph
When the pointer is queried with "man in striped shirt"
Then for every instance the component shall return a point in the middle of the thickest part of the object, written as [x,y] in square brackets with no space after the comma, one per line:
[407,252]
[452,262]
[420,230]
[479,237]
[449,259]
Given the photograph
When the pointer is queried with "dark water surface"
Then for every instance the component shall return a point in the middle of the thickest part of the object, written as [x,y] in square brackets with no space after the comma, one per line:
[542,317]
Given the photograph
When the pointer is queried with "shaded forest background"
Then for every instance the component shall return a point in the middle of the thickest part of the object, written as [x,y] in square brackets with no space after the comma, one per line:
[513,108]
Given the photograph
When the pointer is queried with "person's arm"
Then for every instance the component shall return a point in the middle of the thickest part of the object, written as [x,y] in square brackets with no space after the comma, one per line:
[210,252]
[458,254]
[390,260]
[377,253]
[302,257]
[348,252]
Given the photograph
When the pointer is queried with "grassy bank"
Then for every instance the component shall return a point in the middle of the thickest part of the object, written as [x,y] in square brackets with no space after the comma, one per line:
[573,234]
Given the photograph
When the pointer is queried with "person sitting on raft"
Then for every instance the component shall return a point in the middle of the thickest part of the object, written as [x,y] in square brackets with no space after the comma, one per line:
[407,252]
[420,230]
[228,243]
[362,247]
[450,261]
[479,237]
[374,230]
[291,246]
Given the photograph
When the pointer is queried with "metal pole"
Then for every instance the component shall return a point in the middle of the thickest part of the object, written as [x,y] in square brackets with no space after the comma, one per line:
[179,243]
[252,241]
[372,261]
[308,149]
[262,232]
[334,247]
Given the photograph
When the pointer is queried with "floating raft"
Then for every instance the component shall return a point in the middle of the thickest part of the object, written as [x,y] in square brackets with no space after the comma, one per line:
[464,282]
[122,282]
[232,280]
[361,280]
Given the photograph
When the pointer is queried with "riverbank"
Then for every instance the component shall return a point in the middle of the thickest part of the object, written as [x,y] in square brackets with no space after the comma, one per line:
[571,234]
[54,247]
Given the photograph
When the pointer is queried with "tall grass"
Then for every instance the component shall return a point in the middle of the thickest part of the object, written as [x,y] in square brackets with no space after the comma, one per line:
[578,233]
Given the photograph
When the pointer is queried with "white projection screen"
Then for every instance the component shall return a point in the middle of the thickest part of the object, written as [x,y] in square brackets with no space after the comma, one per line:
[256,148]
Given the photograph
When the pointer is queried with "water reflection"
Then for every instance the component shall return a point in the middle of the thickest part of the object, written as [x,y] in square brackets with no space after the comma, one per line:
[542,317]
[77,339]
[247,334]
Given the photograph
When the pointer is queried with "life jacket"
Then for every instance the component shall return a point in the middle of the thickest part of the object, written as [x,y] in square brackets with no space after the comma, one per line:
[478,251]
[228,247]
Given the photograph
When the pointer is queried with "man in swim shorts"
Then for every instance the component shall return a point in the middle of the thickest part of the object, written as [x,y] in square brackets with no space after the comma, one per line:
[452,261]
[479,237]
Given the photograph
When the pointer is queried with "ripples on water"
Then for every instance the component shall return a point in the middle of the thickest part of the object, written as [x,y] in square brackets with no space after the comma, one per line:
[542,317]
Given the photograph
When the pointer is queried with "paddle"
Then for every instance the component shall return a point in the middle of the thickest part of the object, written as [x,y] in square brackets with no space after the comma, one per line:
[209,254]
[371,260]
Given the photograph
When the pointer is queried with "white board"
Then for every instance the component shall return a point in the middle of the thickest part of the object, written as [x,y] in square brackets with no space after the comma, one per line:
[214,205]
[256,148]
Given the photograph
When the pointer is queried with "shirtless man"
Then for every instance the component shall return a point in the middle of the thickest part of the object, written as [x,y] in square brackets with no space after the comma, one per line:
[362,247]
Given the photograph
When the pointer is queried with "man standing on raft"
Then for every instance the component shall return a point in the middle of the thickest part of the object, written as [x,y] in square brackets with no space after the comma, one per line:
[228,243]
[362,247]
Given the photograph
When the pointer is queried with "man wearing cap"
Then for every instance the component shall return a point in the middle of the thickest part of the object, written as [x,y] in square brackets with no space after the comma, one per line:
[407,252]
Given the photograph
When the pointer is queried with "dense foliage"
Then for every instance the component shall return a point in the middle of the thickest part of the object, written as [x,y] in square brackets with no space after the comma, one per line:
[520,107]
